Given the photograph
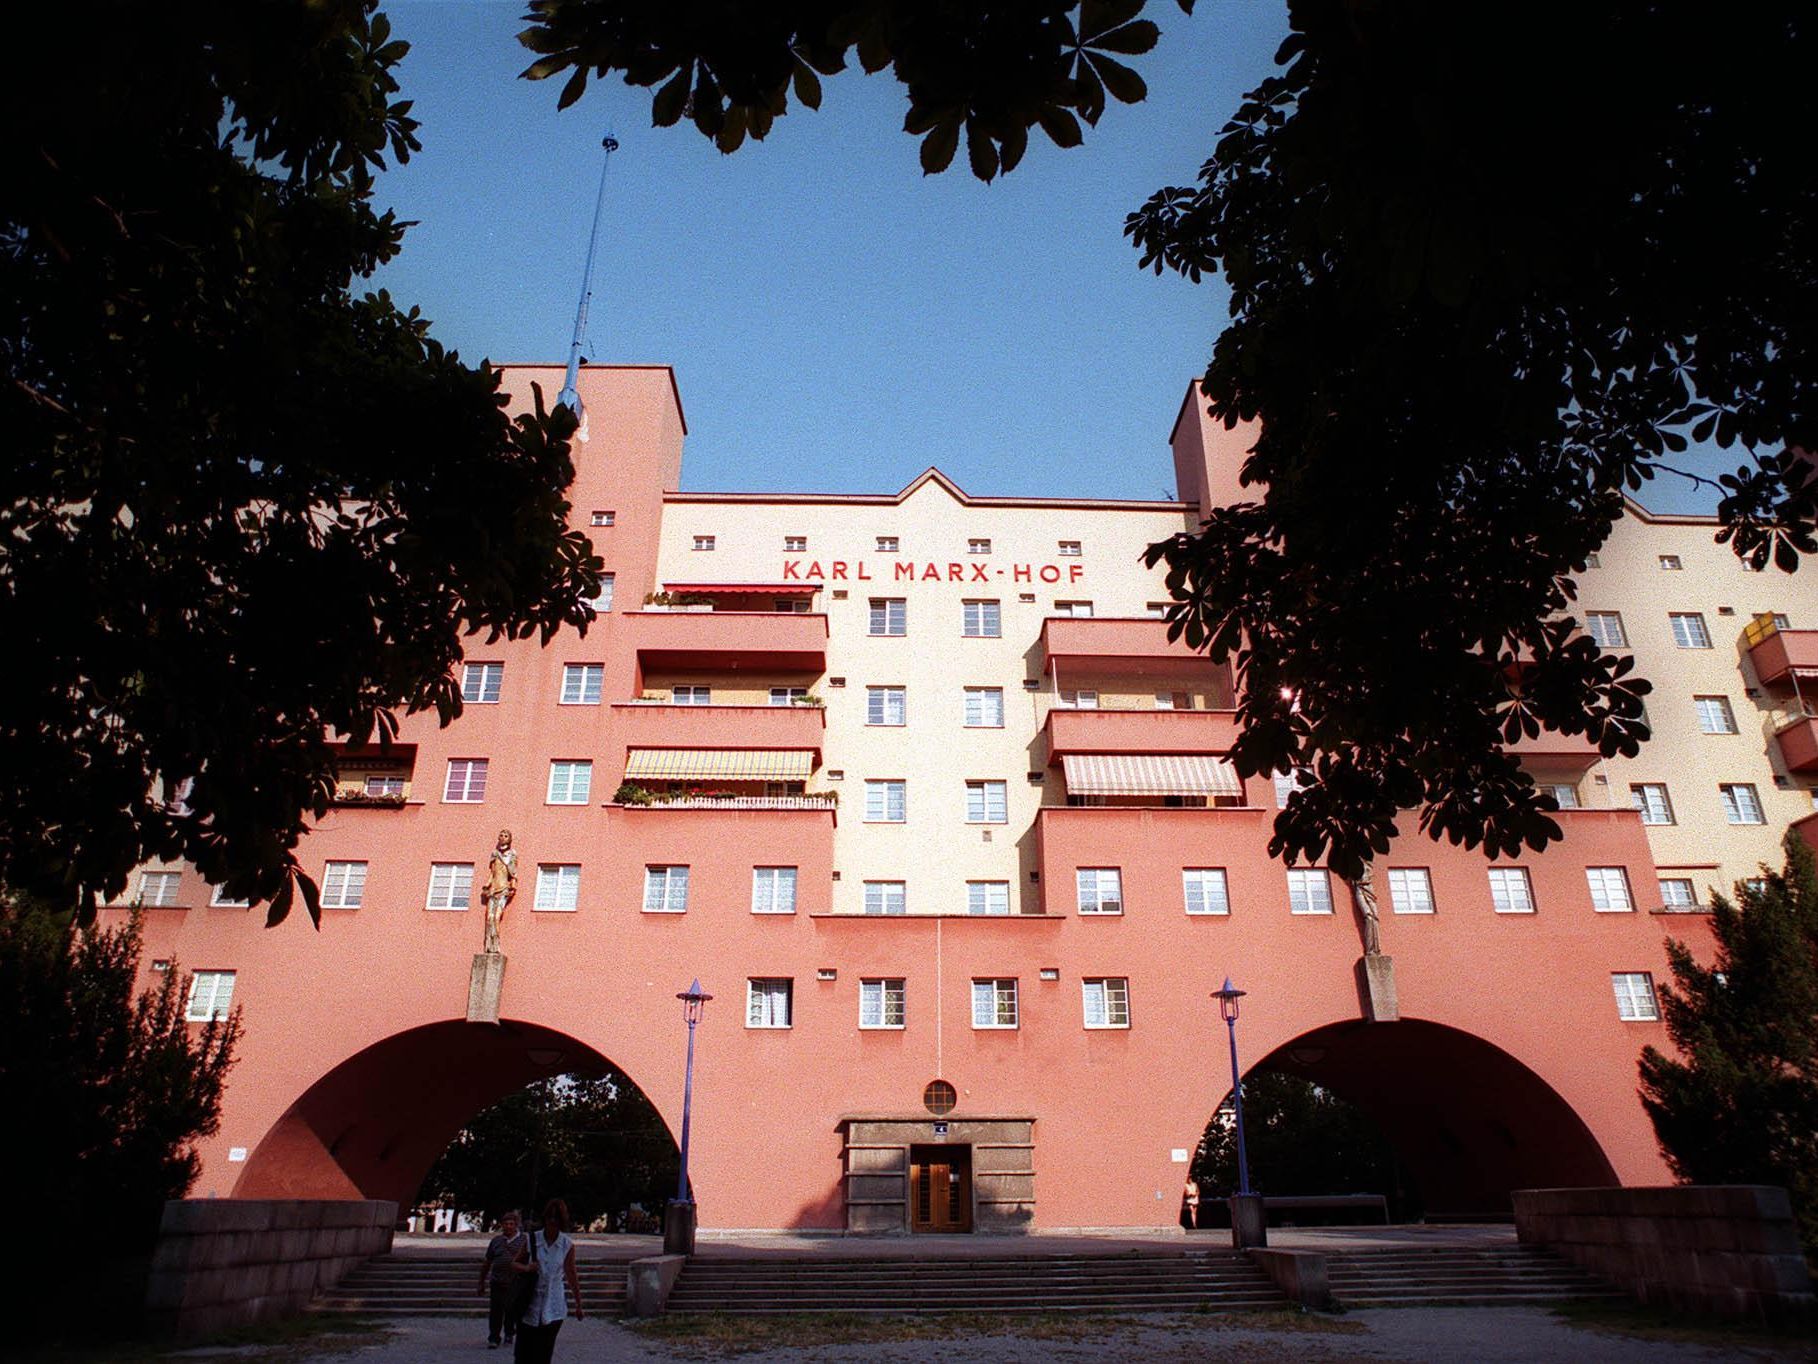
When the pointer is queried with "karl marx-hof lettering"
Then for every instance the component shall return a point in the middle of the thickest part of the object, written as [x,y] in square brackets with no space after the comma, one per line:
[906,570]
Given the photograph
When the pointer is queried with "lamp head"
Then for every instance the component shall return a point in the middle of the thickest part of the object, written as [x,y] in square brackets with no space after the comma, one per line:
[1227,1000]
[692,999]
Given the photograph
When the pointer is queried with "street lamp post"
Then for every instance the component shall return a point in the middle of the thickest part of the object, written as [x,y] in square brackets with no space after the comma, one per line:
[1249,1219]
[679,1217]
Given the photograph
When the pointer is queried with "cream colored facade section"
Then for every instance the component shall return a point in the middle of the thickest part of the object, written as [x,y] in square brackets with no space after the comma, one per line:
[935,851]
[1700,844]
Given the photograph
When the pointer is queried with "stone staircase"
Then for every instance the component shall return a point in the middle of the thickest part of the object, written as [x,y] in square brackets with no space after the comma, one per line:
[430,1285]
[1454,1276]
[1215,1281]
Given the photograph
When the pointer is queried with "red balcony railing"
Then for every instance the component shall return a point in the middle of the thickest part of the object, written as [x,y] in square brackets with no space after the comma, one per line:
[725,641]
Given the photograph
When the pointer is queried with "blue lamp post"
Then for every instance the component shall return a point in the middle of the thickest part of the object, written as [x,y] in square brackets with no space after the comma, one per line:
[679,1221]
[1249,1220]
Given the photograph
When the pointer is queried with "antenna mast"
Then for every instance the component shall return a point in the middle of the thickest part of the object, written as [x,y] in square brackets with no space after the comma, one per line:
[570,395]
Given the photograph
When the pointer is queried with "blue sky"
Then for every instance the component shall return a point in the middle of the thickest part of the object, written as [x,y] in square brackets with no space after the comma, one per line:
[837,321]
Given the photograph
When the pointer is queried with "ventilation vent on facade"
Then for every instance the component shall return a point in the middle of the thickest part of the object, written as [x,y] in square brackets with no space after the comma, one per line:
[987,837]
[836,876]
[827,973]
[1601,780]
[839,594]
[1032,684]
[1035,876]
[1753,693]
[836,774]
[1784,783]
[1050,973]
[1036,778]
[1026,597]
[1726,610]
[836,682]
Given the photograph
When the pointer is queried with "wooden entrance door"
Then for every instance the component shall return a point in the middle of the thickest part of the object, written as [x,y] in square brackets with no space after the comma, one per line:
[940,1188]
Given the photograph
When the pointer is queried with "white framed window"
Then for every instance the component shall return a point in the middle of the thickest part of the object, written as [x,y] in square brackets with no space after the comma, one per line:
[558,886]
[1741,804]
[465,783]
[690,694]
[1511,892]
[788,696]
[886,801]
[984,707]
[450,885]
[886,706]
[665,890]
[1068,549]
[343,885]
[888,616]
[1286,784]
[988,897]
[379,785]
[773,890]
[792,606]
[1410,890]
[1609,889]
[219,899]
[882,1003]
[1688,629]
[1309,891]
[1107,1001]
[981,619]
[795,544]
[1635,1002]
[769,1002]
[985,802]
[1592,560]
[994,1002]
[1670,562]
[1678,892]
[1564,794]
[211,996]
[601,600]
[1205,890]
[978,545]
[159,888]
[1100,890]
[1715,715]
[1079,700]
[1155,610]
[1605,628]
[581,683]
[570,782]
[1174,700]
[1082,609]
[888,544]
[885,897]
[601,518]
[704,543]
[1650,797]
[480,683]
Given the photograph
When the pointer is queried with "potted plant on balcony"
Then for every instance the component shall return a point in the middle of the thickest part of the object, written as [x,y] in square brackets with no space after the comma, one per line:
[630,793]
[810,699]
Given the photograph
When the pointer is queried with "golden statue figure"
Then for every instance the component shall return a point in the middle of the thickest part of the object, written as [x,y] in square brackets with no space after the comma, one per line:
[501,886]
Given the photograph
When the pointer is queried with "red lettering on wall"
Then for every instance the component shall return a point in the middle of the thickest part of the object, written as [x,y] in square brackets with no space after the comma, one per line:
[792,568]
[931,571]
[1050,573]
[839,569]
[978,574]
[1075,572]
[955,572]
[813,570]
[905,570]
[864,575]
[1019,573]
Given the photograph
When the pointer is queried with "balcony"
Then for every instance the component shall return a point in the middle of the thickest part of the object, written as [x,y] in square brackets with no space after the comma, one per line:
[1139,731]
[1138,647]
[727,641]
[1807,829]
[649,724]
[815,800]
[374,777]
[1799,744]
[1551,752]
[1779,655]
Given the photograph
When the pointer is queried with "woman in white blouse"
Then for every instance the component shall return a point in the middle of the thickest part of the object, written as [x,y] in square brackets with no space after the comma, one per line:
[550,1256]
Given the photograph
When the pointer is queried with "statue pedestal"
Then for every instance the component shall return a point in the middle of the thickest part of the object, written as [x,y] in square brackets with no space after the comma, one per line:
[1376,979]
[483,987]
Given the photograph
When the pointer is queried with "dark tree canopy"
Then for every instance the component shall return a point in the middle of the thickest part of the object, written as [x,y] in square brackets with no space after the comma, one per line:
[242,510]
[1739,1104]
[1491,267]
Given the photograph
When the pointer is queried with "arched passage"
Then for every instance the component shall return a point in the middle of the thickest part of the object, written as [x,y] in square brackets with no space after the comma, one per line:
[1468,1121]
[372,1126]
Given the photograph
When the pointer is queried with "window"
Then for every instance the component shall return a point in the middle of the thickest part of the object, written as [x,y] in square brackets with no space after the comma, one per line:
[665,890]
[985,802]
[994,1003]
[1079,700]
[797,606]
[570,782]
[689,695]
[450,885]
[703,542]
[1688,630]
[384,786]
[1781,622]
[1073,608]
[1592,561]
[978,546]
[1563,793]
[1069,549]
[885,705]
[1651,799]
[1609,889]
[1670,562]
[888,544]
[984,707]
[988,897]
[466,781]
[1156,610]
[601,600]
[885,897]
[981,619]
[220,899]
[886,802]
[1635,1002]
[1206,890]
[343,885]
[1715,715]
[889,616]
[1510,890]
[768,1002]
[558,886]
[602,518]
[1173,700]
[581,683]
[788,696]
[773,890]
[1286,784]
[1740,803]
[159,887]
[1107,1001]
[480,683]
[1101,890]
[211,996]
[881,1003]
[1309,891]
[795,544]
[1410,890]
[1678,892]
[1605,627]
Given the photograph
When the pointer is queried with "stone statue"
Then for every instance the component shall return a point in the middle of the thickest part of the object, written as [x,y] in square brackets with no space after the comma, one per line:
[1365,891]
[501,886]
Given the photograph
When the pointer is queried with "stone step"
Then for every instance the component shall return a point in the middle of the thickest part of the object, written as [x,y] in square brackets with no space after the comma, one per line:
[992,1305]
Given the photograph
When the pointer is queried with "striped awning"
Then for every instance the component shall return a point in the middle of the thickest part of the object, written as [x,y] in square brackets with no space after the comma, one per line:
[722,764]
[1149,774]
[798,589]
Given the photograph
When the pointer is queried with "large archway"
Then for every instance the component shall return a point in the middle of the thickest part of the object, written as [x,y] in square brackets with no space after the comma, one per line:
[373,1126]
[1469,1122]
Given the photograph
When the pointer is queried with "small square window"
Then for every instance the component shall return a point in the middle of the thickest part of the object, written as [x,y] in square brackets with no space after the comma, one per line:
[1741,803]
[885,897]
[980,619]
[602,518]
[1100,890]
[465,783]
[1081,609]
[886,706]
[990,898]
[994,1003]
[450,885]
[211,996]
[570,782]
[665,890]
[1079,700]
[601,600]
[1635,1002]
[769,1002]
[703,542]
[1715,715]
[558,886]
[1107,1001]
[1678,892]
[795,544]
[888,616]
[886,801]
[1069,549]
[343,885]
[881,1003]
[480,683]
[1670,562]
[1650,797]
[1605,628]
[978,546]
[1309,891]
[985,802]
[1609,889]
[1510,890]
[1689,631]
[689,694]
[1410,890]
[220,899]
[158,889]
[581,683]
[984,708]
[888,544]
[1206,890]
[1564,794]
[773,890]
[1591,560]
